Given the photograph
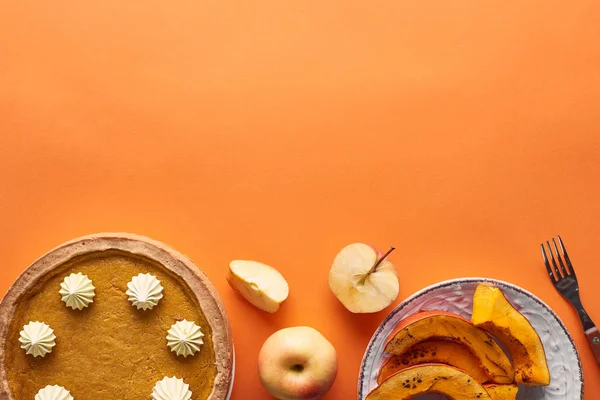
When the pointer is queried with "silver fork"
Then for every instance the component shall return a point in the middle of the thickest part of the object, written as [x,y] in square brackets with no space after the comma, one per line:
[565,281]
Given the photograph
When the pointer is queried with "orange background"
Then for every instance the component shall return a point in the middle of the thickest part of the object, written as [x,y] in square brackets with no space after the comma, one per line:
[463,132]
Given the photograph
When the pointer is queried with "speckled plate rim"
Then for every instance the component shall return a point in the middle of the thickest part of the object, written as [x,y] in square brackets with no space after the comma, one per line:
[443,284]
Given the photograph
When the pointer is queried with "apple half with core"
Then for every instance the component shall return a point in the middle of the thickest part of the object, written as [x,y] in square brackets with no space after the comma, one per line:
[363,279]
[297,363]
[263,286]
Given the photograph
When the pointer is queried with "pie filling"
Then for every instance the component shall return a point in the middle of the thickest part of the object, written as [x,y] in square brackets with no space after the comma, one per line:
[109,349]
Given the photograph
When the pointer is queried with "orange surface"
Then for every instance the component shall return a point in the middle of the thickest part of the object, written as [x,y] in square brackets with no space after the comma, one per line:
[462,132]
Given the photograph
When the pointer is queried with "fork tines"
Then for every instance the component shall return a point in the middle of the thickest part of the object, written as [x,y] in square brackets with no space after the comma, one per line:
[560,270]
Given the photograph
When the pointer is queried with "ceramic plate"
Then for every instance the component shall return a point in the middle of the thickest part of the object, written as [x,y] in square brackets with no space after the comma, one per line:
[456,296]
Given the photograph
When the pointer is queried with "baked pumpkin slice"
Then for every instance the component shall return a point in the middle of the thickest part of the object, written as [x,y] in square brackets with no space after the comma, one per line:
[435,352]
[502,392]
[494,313]
[429,325]
[430,378]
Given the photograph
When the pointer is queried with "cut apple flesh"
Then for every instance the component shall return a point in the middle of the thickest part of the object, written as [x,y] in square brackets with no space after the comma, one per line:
[438,351]
[492,312]
[429,325]
[502,392]
[262,285]
[362,279]
[429,378]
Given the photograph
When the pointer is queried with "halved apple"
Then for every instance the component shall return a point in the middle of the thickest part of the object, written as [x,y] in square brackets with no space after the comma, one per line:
[437,324]
[263,286]
[435,351]
[430,378]
[363,279]
[492,312]
[502,392]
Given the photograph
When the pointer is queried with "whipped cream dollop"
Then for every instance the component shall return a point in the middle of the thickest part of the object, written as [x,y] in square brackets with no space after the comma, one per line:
[37,339]
[77,291]
[144,291]
[171,389]
[184,338]
[54,392]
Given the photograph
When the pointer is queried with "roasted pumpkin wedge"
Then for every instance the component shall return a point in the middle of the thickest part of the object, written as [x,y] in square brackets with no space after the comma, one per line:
[436,351]
[428,325]
[502,392]
[430,378]
[492,312]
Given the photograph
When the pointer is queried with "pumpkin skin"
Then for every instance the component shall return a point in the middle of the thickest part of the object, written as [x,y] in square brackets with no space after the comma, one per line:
[502,392]
[429,325]
[437,351]
[430,378]
[492,312]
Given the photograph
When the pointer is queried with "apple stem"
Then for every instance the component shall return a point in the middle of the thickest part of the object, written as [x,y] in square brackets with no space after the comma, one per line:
[374,268]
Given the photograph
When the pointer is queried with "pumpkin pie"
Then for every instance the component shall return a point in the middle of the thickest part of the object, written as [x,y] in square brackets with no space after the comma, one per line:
[106,333]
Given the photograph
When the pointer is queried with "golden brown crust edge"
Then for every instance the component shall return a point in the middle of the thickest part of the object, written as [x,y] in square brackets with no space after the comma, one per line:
[171,259]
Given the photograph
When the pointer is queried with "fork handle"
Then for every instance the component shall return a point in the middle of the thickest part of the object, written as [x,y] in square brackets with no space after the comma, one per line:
[593,337]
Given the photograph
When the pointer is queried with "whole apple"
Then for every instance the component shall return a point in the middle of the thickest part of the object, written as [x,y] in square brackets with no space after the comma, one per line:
[297,363]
